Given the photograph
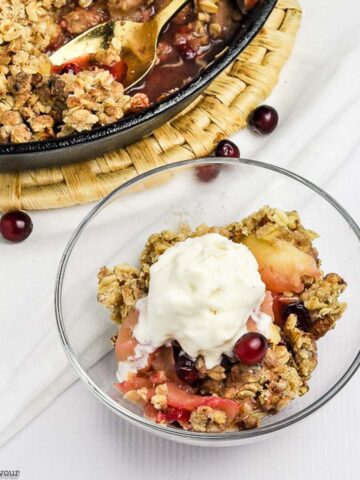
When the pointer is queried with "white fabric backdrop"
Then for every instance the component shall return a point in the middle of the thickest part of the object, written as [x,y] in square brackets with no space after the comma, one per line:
[318,100]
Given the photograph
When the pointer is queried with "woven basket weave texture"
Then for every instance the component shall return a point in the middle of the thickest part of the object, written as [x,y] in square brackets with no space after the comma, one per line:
[220,111]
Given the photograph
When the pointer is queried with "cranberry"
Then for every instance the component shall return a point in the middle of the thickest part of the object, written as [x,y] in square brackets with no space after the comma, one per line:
[185,367]
[186,43]
[70,67]
[118,70]
[251,348]
[173,414]
[186,51]
[15,226]
[206,173]
[73,68]
[302,314]
[226,148]
[263,120]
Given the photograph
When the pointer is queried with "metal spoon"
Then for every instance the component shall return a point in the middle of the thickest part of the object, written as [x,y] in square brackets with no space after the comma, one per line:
[138,42]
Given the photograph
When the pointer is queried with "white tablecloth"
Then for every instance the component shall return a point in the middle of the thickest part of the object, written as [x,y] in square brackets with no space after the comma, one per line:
[318,99]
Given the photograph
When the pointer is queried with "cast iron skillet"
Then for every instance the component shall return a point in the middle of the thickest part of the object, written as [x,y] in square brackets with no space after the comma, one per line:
[86,145]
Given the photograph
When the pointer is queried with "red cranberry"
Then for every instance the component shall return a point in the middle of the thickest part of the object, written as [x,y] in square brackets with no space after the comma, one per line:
[174,414]
[15,226]
[302,314]
[70,67]
[263,120]
[206,173]
[185,367]
[186,44]
[251,348]
[73,68]
[186,51]
[118,70]
[226,148]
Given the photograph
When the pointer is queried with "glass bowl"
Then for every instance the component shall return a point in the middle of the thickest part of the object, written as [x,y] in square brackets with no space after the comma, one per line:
[115,232]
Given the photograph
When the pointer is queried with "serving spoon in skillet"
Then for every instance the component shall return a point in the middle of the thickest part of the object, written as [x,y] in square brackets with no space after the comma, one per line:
[138,42]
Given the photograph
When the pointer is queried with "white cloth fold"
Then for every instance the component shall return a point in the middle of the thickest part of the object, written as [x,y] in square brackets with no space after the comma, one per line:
[318,100]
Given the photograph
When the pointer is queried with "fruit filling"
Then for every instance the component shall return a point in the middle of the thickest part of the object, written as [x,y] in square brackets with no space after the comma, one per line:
[218,325]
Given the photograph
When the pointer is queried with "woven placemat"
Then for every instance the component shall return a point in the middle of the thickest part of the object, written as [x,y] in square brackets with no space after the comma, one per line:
[221,110]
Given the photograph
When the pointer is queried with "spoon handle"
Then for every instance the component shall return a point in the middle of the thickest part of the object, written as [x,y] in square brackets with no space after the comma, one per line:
[169,11]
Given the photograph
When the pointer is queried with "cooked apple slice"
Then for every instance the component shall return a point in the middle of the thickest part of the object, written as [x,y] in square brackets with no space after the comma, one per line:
[179,398]
[125,342]
[281,264]
[134,382]
[267,308]
[267,305]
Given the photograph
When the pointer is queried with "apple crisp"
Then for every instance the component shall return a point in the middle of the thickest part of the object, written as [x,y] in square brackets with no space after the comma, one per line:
[40,101]
[236,394]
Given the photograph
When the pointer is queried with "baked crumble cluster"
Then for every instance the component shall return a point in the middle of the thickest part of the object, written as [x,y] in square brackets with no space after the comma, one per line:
[38,101]
[301,318]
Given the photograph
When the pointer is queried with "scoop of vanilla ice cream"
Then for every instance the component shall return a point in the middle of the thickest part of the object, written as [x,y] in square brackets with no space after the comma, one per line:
[201,293]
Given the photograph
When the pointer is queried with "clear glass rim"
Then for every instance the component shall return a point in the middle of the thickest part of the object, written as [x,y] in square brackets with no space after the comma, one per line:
[137,419]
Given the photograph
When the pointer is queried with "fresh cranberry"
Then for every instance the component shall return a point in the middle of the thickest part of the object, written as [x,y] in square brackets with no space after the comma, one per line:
[185,367]
[251,348]
[263,120]
[15,226]
[302,314]
[226,148]
[206,173]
